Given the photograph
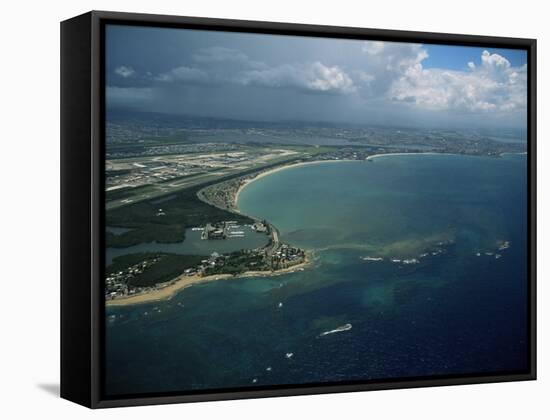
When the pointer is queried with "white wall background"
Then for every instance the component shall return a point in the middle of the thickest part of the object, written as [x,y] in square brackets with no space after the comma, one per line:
[29,238]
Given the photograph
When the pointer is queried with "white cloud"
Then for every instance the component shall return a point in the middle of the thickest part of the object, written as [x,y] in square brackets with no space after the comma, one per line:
[397,74]
[325,78]
[393,56]
[125,71]
[493,86]
[494,61]
[384,63]
[314,77]
[373,47]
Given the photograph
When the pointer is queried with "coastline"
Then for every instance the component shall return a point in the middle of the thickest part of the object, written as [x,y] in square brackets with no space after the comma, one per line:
[371,157]
[314,162]
[277,169]
[182,282]
[513,154]
[247,181]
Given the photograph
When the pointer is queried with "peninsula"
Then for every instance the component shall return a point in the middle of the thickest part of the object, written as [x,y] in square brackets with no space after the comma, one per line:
[275,258]
[159,191]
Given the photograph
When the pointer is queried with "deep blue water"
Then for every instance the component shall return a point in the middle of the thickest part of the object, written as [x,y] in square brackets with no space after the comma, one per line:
[452,313]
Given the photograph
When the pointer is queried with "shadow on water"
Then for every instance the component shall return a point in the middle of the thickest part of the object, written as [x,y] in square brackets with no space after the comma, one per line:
[52,389]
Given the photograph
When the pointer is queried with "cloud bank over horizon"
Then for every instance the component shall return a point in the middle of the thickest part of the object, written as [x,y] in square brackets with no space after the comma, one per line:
[267,77]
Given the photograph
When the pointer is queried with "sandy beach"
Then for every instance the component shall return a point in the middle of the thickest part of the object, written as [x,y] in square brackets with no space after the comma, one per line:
[166,292]
[314,162]
[184,281]
[513,153]
[277,169]
[371,157]
[437,153]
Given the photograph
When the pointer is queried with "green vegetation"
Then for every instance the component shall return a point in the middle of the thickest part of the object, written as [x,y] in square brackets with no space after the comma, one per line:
[166,268]
[238,262]
[183,211]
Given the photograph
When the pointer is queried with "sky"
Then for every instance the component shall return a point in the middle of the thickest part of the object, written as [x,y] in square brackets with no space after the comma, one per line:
[288,78]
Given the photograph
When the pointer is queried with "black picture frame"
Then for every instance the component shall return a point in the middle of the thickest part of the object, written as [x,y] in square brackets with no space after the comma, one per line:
[82,203]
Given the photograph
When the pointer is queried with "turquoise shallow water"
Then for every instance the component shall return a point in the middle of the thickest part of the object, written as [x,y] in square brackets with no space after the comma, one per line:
[452,313]
[393,204]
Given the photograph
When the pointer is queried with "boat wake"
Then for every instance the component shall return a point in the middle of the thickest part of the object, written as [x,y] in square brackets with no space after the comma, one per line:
[342,328]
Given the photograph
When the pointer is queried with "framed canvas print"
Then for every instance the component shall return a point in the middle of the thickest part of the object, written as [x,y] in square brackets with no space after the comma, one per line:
[256,209]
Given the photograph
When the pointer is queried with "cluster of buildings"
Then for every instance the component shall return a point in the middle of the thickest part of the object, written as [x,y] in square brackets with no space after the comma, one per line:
[261,227]
[347,153]
[287,256]
[117,284]
[233,263]
[214,231]
[124,174]
[230,229]
[222,195]
[274,256]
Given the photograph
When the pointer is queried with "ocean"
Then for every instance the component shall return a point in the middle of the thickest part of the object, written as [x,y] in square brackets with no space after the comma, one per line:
[420,269]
